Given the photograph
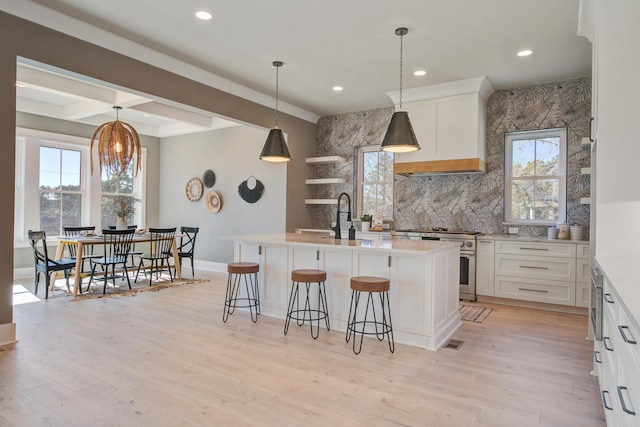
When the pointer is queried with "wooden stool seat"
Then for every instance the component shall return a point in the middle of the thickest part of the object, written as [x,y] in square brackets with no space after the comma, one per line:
[308,276]
[250,298]
[369,284]
[243,267]
[313,309]
[359,322]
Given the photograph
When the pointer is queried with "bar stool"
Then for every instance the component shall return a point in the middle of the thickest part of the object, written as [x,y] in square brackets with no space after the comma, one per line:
[376,327]
[233,300]
[312,314]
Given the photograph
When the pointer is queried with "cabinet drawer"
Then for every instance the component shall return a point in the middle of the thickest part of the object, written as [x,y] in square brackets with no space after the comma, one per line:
[537,290]
[567,250]
[536,267]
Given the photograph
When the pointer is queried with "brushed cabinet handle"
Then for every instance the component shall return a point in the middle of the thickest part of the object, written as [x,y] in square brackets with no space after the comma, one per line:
[622,329]
[606,340]
[623,402]
[591,129]
[607,298]
[535,249]
[259,249]
[484,241]
[604,400]
[534,290]
[596,355]
[533,266]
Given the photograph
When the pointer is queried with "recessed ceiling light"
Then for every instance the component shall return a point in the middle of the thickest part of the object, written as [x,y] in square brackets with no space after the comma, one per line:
[204,15]
[419,73]
[338,88]
[525,52]
[147,115]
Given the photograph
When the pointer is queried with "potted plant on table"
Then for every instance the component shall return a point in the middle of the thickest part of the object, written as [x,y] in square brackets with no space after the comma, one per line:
[365,222]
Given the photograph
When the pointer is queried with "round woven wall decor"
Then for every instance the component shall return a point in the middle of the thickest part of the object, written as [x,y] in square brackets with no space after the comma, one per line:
[251,189]
[208,178]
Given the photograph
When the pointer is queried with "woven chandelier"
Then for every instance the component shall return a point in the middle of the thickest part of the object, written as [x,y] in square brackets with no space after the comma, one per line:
[118,143]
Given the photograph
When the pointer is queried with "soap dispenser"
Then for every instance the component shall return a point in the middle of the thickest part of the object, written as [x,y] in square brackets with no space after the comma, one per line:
[352,232]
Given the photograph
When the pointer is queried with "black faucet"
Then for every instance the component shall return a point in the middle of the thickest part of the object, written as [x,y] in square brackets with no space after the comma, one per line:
[338,212]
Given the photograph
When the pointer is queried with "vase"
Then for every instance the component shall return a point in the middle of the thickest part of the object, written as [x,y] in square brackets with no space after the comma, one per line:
[365,225]
[121,223]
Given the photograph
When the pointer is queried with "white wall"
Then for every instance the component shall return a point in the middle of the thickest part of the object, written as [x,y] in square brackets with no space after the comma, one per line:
[232,154]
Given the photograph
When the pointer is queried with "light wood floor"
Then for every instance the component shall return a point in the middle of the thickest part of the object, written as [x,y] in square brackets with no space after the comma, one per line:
[166,359]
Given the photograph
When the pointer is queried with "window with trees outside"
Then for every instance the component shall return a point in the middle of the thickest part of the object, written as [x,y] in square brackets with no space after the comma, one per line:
[535,176]
[54,186]
[60,188]
[374,181]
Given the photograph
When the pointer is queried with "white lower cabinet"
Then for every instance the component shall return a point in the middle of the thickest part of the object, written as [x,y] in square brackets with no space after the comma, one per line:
[537,271]
[619,367]
[485,268]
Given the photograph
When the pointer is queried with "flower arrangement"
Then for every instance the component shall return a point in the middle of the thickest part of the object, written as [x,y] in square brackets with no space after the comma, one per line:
[123,206]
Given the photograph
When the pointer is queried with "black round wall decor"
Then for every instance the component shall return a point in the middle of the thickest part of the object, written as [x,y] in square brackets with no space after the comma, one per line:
[208,178]
[251,189]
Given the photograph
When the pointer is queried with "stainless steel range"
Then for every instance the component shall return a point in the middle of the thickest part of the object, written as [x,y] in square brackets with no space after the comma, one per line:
[467,241]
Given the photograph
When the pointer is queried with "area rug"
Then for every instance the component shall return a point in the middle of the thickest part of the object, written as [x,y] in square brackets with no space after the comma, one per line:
[474,313]
[141,286]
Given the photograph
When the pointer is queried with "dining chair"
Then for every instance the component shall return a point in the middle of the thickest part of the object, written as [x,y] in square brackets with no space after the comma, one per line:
[45,265]
[159,253]
[117,246]
[187,245]
[132,252]
[74,231]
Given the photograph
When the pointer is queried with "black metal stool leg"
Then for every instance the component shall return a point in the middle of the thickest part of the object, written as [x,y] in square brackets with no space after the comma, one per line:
[293,297]
[253,310]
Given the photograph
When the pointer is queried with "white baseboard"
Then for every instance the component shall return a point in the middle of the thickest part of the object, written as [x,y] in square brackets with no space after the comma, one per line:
[8,334]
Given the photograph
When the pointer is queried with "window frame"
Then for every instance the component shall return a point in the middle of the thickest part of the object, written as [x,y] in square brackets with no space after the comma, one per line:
[510,138]
[358,179]
[27,185]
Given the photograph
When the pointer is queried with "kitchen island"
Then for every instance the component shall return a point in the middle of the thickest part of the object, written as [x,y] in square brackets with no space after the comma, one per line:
[424,277]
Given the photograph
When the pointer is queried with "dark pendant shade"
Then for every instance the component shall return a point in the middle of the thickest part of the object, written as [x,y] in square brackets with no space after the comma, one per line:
[275,149]
[400,137]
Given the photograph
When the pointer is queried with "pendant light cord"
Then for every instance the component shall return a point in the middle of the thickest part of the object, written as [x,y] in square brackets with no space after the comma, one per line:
[277,79]
[401,45]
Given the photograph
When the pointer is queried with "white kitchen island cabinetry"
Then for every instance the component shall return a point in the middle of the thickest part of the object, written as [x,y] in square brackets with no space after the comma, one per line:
[423,274]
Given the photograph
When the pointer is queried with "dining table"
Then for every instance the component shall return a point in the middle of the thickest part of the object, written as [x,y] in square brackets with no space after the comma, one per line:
[81,241]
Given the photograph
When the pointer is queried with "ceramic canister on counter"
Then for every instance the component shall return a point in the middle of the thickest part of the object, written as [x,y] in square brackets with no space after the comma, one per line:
[552,233]
[564,232]
[577,232]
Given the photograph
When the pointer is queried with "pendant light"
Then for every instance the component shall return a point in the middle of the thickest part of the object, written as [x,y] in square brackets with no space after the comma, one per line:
[400,137]
[118,144]
[275,148]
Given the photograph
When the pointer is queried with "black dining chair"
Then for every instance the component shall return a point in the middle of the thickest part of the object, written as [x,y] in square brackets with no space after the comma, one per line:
[117,246]
[132,252]
[159,253]
[45,265]
[74,231]
[187,245]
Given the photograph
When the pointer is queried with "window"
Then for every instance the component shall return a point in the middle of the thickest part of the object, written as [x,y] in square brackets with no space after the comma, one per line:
[54,186]
[374,181]
[535,176]
[60,189]
[120,188]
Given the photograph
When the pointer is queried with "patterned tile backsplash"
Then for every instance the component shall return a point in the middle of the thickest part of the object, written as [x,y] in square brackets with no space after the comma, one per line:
[465,201]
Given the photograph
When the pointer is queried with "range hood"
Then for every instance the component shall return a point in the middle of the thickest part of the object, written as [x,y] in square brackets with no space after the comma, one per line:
[449,122]
[441,167]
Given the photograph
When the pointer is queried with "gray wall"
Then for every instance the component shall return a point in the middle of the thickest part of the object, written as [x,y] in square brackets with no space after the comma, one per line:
[473,201]
[229,153]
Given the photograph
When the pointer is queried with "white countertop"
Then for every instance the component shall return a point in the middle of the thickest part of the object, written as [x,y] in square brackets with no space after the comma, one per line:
[527,238]
[622,273]
[393,245]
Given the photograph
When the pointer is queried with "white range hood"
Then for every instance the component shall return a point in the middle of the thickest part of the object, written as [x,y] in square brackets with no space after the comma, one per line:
[449,123]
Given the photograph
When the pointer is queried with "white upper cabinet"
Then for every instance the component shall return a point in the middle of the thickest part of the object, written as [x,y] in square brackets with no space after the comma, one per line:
[449,123]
